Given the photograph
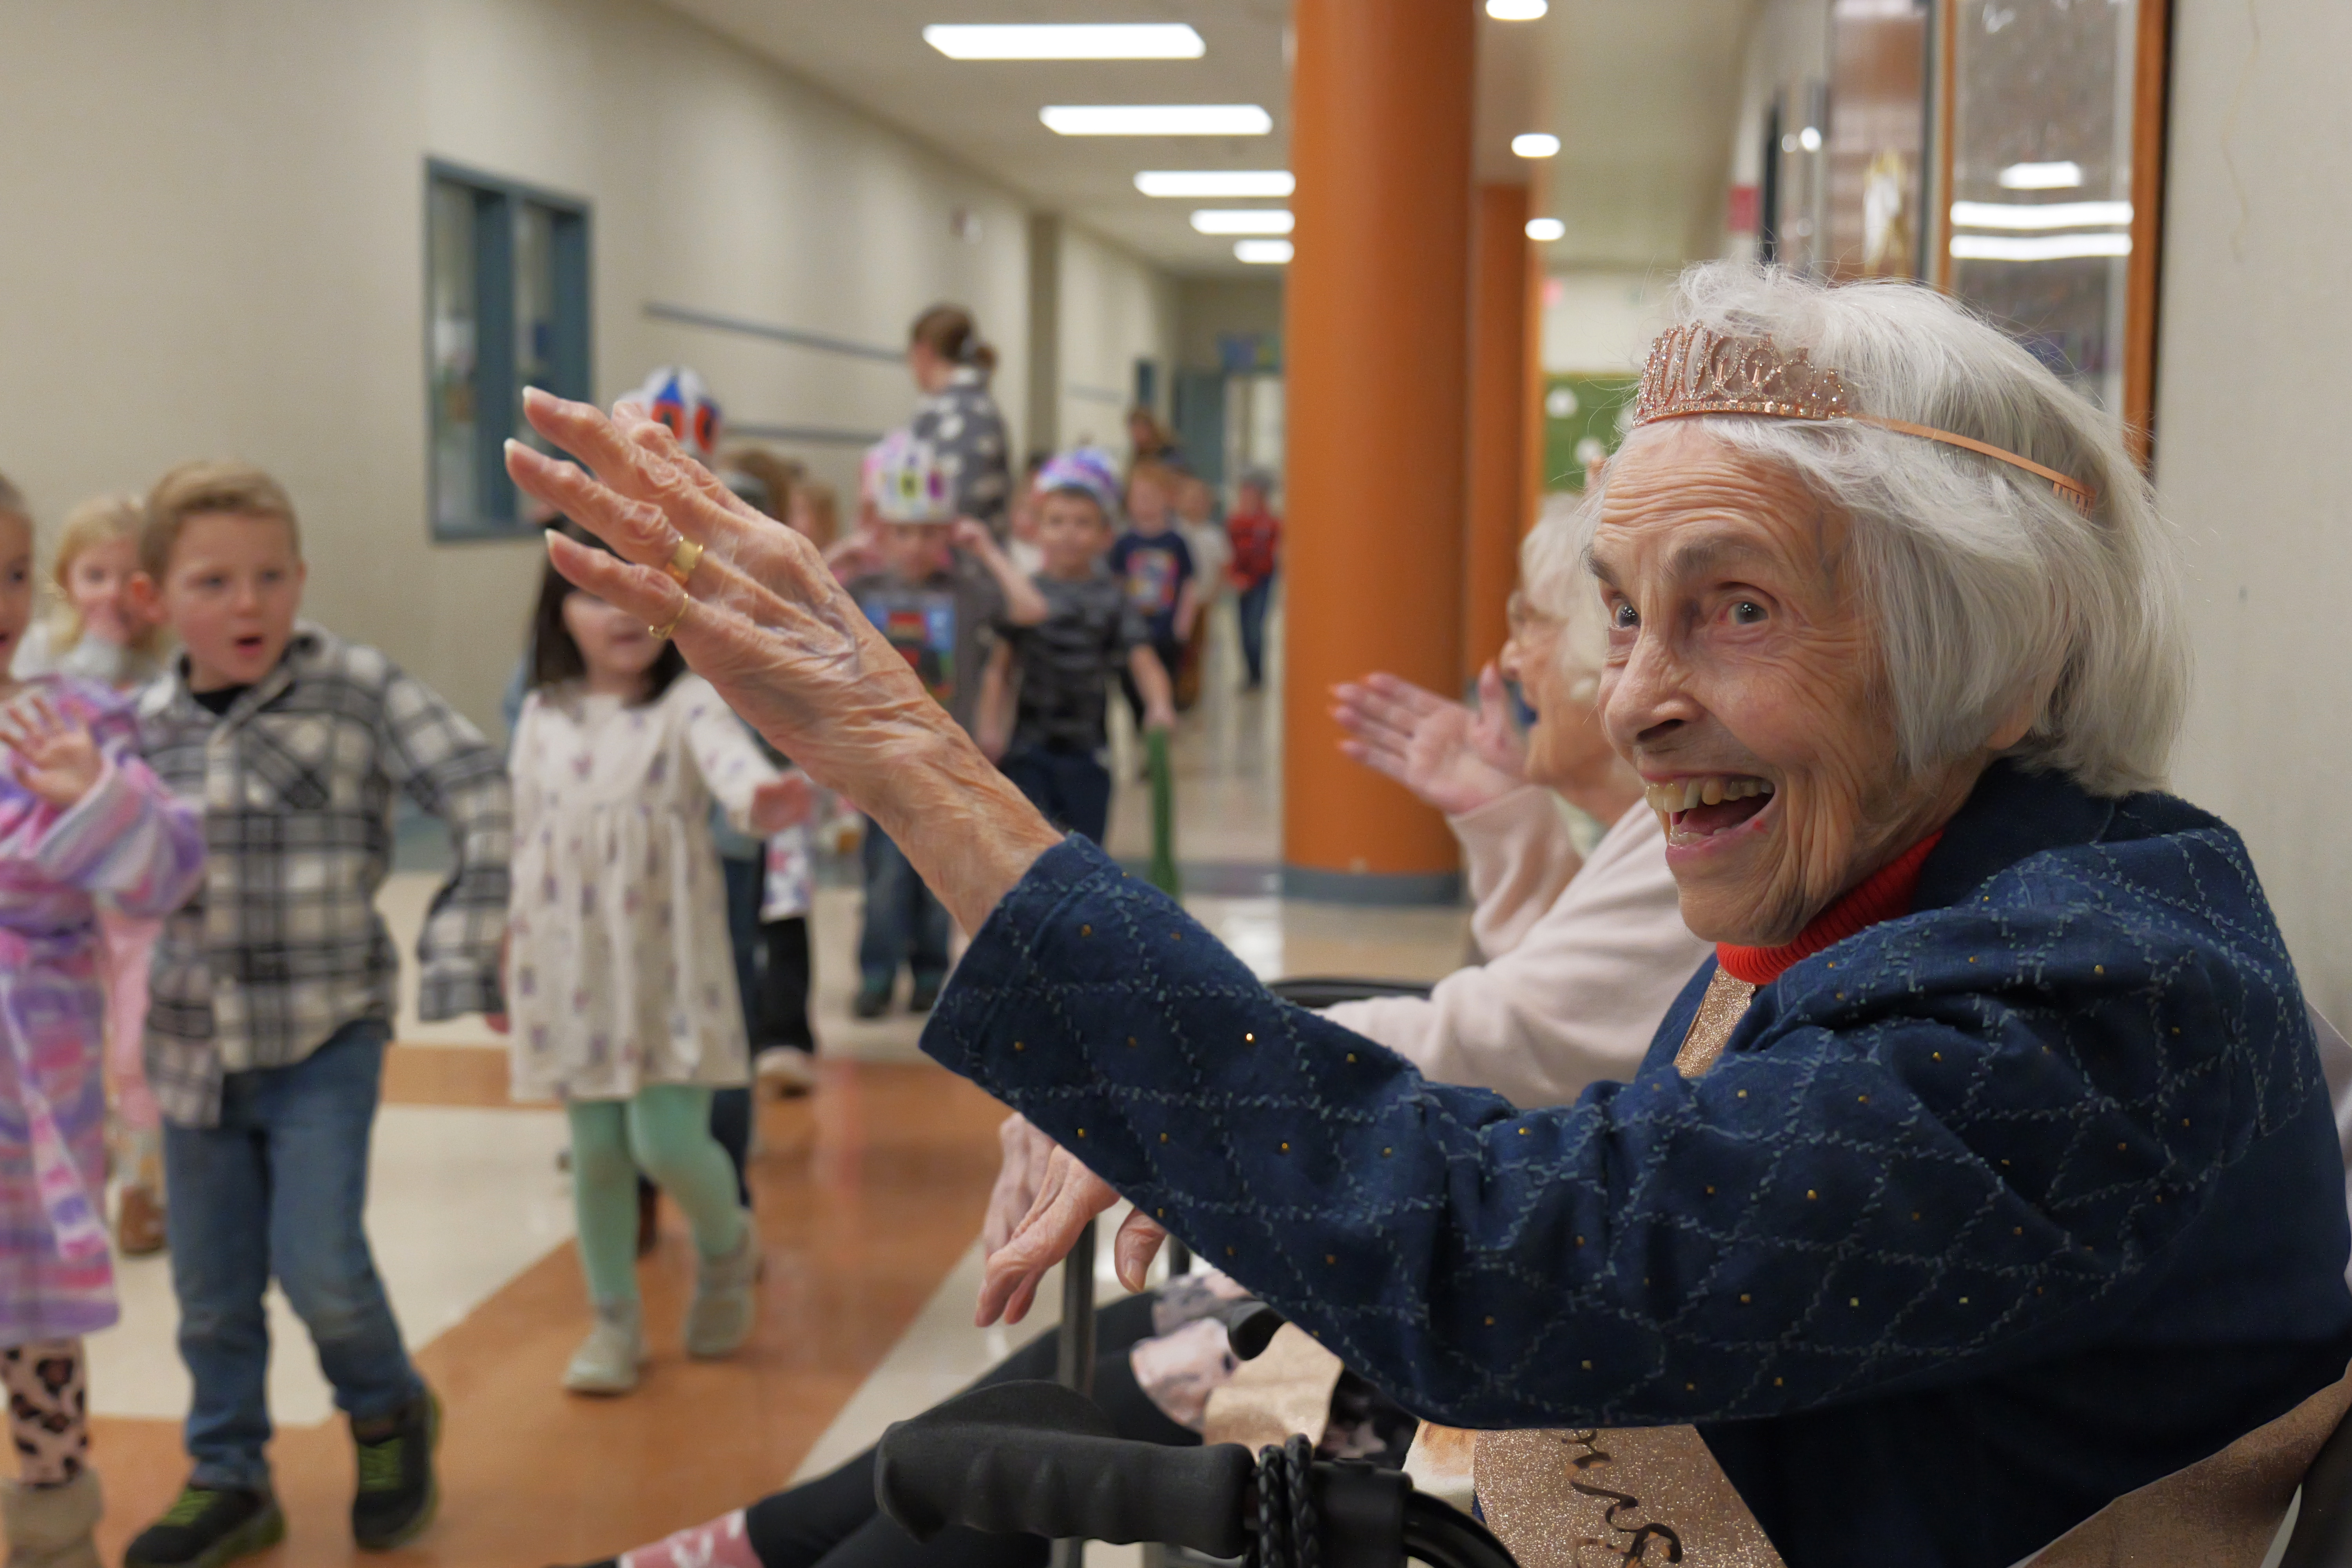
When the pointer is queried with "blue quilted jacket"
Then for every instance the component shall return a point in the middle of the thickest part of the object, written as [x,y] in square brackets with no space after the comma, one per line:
[1986,1215]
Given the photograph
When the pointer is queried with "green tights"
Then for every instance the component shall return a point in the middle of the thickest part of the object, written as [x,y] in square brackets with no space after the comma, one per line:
[664,1131]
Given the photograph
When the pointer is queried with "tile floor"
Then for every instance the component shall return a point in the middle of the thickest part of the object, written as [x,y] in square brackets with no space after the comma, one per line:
[869,1194]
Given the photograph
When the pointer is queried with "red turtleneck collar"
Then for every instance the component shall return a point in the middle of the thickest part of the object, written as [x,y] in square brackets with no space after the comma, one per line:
[1884,895]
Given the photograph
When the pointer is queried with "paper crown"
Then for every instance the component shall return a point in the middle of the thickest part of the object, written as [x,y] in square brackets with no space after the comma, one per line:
[1086,470]
[674,395]
[1694,371]
[906,482]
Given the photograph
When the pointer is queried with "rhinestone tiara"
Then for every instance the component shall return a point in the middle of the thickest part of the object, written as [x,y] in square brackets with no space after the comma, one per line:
[1696,371]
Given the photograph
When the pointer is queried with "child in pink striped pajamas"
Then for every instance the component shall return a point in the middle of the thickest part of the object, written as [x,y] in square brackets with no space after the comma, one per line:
[95,629]
[82,818]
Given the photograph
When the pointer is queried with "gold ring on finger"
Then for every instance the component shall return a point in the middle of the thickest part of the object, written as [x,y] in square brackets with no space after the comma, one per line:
[683,560]
[661,632]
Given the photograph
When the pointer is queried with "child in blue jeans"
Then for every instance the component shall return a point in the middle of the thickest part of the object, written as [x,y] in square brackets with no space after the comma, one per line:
[941,585]
[272,997]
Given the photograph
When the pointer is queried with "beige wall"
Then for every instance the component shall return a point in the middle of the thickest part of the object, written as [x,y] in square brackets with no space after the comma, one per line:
[2251,446]
[1114,310]
[1210,307]
[216,248]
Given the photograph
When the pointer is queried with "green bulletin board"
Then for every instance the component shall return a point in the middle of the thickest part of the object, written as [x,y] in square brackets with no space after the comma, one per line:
[1577,409]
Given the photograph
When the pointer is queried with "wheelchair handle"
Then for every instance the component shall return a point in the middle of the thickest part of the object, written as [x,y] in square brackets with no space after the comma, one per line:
[1037,1458]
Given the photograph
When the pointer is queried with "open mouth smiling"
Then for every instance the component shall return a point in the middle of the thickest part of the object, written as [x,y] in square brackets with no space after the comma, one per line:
[1704,806]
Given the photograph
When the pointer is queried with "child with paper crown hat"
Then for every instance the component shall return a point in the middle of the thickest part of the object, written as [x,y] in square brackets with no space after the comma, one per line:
[940,587]
[1051,741]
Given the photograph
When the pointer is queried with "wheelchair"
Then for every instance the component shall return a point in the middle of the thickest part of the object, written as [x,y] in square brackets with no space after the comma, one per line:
[1039,1458]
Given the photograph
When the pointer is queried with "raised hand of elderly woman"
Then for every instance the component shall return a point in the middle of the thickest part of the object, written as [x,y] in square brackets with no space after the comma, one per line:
[756,613]
[1453,757]
[1067,1201]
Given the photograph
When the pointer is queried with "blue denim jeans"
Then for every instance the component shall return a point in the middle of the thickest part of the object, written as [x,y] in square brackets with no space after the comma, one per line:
[904,923]
[1072,788]
[278,1188]
[1250,611]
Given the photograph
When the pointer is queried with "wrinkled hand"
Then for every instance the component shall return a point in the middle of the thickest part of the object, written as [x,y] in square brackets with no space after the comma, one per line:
[782,802]
[52,757]
[765,622]
[1068,1200]
[1455,759]
[1020,1171]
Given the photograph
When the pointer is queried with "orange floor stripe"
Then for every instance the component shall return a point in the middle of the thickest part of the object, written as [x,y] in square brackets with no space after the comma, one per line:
[866,1193]
[445,1075]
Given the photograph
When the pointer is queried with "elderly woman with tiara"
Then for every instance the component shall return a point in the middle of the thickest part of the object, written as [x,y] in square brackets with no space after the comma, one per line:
[1979,1199]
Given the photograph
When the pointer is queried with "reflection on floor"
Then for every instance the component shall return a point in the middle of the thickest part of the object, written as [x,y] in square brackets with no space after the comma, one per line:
[869,1194]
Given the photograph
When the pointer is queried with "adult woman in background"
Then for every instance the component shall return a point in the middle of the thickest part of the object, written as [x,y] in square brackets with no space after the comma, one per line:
[1987,1176]
[957,416]
[1148,440]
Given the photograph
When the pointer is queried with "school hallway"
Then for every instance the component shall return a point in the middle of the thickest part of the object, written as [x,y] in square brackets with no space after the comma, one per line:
[869,1193]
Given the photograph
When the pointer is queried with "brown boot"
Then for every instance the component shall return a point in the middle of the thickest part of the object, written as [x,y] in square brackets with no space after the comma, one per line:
[139,1226]
[49,1527]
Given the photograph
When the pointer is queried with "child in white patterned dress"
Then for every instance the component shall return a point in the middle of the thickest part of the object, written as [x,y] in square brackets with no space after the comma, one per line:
[621,985]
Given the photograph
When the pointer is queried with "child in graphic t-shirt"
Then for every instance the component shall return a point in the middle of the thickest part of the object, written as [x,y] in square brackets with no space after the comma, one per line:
[1152,559]
[940,585]
[1051,744]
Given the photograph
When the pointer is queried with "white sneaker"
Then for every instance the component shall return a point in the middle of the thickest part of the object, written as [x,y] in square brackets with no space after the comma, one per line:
[608,1360]
[726,1301]
[788,1068]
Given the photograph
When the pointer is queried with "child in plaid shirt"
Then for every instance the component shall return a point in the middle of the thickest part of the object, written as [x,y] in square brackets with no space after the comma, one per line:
[273,993]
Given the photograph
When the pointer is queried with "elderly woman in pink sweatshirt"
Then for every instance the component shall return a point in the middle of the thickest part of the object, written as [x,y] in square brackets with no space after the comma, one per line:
[1582,951]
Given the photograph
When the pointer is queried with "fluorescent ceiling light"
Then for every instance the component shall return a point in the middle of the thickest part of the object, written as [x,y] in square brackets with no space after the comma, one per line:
[1065,41]
[2040,214]
[1212,183]
[1544,230]
[1261,252]
[1242,220]
[2042,176]
[1156,120]
[1535,144]
[1516,10]
[2037,248]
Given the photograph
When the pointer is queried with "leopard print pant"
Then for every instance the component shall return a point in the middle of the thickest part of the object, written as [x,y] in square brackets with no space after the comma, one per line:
[49,1409]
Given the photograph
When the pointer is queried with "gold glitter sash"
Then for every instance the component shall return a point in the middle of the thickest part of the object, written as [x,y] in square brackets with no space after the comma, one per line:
[1633,1494]
[1638,1495]
[1719,1012]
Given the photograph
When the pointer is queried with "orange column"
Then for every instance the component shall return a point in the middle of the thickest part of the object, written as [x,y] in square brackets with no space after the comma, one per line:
[1499,425]
[1377,344]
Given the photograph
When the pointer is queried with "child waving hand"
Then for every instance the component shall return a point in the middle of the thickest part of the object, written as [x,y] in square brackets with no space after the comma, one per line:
[80,817]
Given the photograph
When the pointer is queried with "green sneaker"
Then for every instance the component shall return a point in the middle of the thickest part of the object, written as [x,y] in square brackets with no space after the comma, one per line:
[397,1494]
[206,1527]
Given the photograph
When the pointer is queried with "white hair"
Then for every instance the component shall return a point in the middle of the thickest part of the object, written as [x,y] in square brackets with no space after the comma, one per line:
[1990,591]
[1555,585]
